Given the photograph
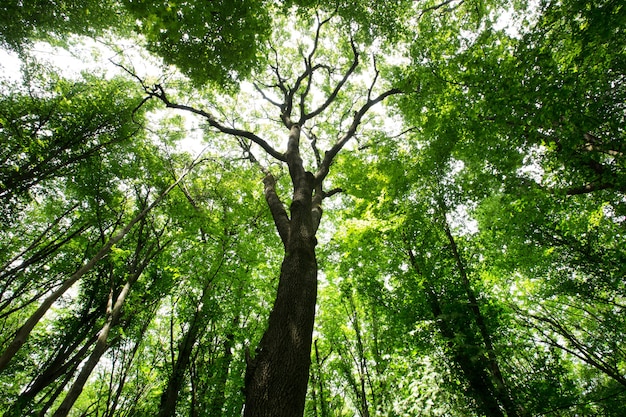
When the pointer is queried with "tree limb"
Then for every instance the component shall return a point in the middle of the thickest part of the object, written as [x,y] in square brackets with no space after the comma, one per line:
[158,92]
[333,95]
[279,214]
[358,116]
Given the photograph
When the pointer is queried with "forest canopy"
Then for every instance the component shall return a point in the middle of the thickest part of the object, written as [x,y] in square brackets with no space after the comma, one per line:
[313,208]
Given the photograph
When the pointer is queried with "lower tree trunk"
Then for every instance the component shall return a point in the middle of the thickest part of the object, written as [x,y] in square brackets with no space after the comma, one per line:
[277,377]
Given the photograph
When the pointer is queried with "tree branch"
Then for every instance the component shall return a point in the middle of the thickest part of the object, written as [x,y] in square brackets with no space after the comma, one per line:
[266,97]
[358,116]
[439,6]
[279,214]
[589,188]
[158,92]
[333,95]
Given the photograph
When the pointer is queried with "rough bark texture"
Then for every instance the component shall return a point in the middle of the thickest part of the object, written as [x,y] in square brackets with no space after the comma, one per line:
[277,377]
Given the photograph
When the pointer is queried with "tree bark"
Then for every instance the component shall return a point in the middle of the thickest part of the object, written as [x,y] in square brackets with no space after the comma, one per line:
[277,377]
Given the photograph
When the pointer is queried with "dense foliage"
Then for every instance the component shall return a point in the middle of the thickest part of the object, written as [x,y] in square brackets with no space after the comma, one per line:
[471,259]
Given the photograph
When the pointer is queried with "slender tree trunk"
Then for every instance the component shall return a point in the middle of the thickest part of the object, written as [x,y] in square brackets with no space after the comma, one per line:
[501,390]
[67,358]
[468,361]
[59,367]
[169,397]
[51,399]
[320,383]
[122,380]
[24,331]
[113,314]
[222,370]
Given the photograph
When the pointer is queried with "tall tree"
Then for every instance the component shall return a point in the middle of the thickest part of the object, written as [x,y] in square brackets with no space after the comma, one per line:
[277,374]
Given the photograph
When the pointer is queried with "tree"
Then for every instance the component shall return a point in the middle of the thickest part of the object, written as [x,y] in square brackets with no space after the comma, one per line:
[277,375]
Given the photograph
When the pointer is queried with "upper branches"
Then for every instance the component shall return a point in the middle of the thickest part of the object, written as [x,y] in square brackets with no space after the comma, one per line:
[295,96]
[313,90]
[356,121]
[324,87]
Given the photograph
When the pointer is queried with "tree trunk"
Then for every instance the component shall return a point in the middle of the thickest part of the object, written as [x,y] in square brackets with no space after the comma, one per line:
[112,407]
[466,357]
[169,397]
[113,314]
[277,377]
[60,366]
[222,369]
[501,389]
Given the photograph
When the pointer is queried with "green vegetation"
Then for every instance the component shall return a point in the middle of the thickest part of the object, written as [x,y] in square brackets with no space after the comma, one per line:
[163,248]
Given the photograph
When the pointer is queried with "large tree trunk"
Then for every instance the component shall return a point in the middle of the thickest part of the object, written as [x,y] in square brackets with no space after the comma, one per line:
[277,377]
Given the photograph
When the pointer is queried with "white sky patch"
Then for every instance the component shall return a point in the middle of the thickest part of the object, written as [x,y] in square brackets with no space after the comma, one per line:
[10,65]
[461,221]
[96,57]
[532,168]
[87,55]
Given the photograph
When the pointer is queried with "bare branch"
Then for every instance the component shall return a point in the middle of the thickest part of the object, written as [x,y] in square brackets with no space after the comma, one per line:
[356,121]
[590,188]
[158,92]
[248,155]
[439,6]
[313,141]
[387,138]
[281,80]
[332,192]
[266,97]
[309,60]
[333,95]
